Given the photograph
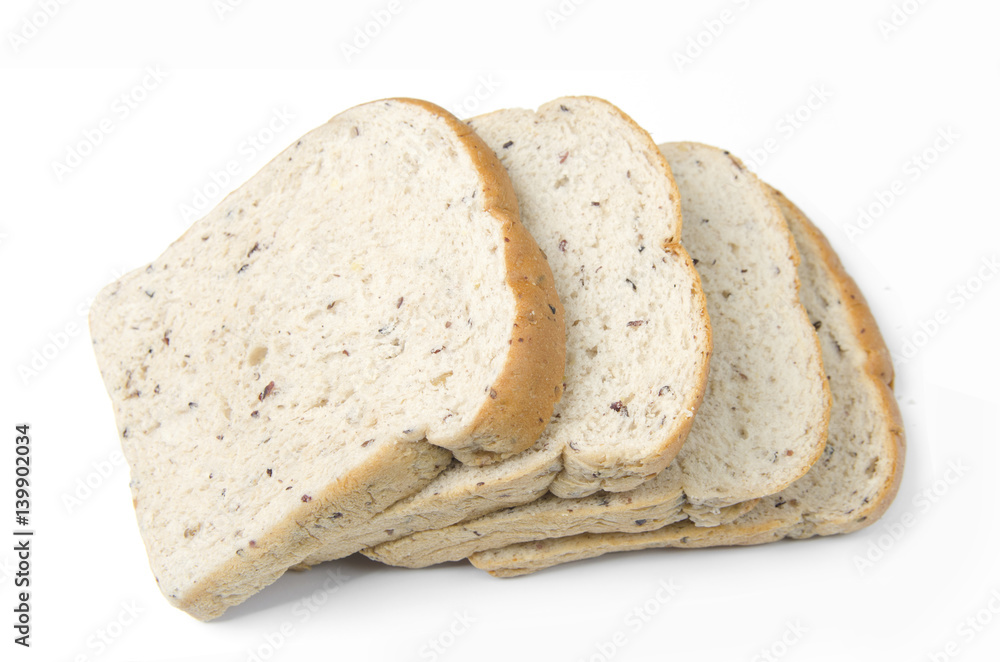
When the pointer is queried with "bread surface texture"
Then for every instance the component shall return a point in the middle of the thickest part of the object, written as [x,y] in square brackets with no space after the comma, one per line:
[322,343]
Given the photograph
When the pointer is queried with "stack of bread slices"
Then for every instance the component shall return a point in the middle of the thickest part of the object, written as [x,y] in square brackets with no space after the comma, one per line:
[524,339]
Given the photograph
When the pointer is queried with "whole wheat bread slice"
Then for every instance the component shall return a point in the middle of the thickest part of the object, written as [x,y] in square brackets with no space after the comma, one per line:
[301,358]
[861,468]
[597,195]
[763,420]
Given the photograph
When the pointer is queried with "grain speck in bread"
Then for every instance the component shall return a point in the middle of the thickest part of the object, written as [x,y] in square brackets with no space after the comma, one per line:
[301,358]
[850,487]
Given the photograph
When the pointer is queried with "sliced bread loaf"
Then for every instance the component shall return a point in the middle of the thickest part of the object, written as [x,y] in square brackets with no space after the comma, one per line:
[301,358]
[597,195]
[763,421]
[861,468]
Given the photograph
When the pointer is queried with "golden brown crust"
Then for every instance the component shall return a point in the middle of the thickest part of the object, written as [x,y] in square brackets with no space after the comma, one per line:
[538,340]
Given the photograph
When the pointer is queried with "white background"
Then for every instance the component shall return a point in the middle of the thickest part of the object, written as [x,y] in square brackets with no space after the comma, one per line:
[879,98]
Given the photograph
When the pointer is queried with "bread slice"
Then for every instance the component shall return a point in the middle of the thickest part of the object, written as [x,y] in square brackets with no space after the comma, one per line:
[763,421]
[597,195]
[849,488]
[301,358]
